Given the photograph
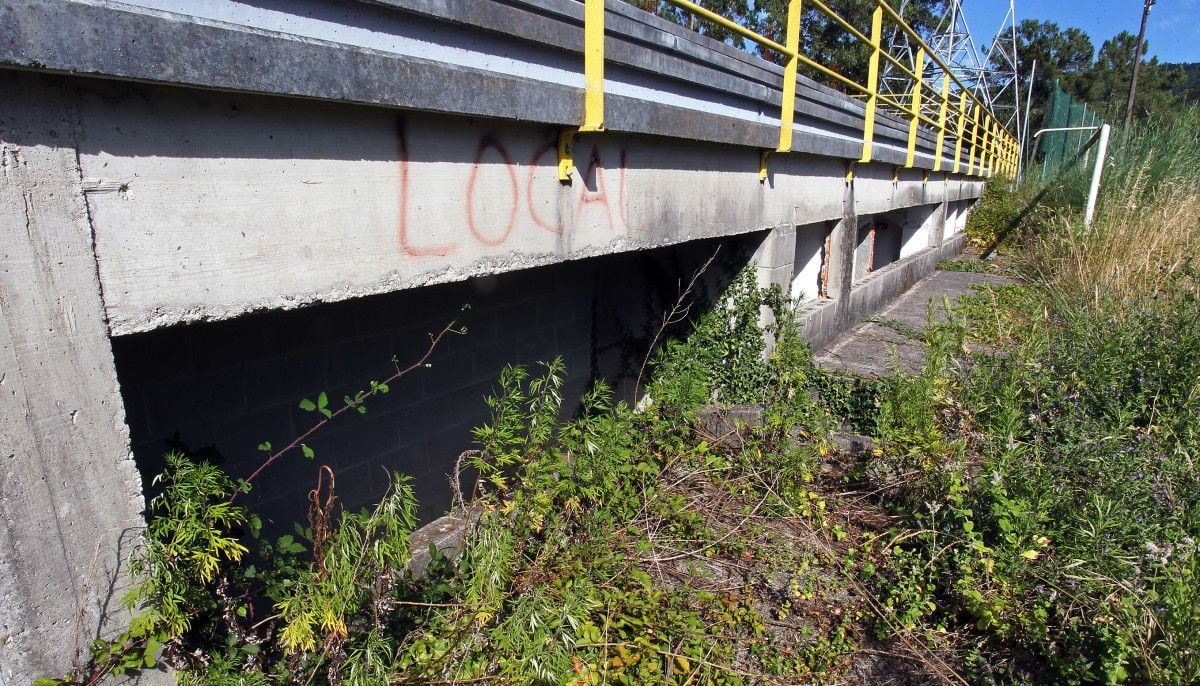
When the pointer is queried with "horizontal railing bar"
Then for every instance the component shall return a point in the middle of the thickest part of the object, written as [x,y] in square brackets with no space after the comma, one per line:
[732,26]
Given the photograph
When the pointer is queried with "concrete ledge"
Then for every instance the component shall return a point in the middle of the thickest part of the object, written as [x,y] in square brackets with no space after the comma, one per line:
[825,319]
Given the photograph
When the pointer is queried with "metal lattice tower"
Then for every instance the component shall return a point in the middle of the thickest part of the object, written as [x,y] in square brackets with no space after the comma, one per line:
[993,78]
[1001,62]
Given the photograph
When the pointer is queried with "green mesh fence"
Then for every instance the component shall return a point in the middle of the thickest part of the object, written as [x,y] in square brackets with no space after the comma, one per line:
[1060,147]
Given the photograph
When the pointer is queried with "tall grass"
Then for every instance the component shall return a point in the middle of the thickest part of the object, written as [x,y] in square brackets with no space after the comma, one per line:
[1073,546]
[1147,224]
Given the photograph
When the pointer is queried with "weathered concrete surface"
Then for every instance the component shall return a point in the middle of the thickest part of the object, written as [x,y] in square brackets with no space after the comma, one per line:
[170,162]
[894,336]
[71,494]
[205,206]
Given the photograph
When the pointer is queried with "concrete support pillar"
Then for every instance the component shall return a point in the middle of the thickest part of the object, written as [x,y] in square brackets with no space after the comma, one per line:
[937,224]
[775,258]
[841,248]
[72,499]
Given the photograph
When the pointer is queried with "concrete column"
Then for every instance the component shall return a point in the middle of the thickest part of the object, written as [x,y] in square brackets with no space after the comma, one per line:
[775,258]
[937,224]
[841,248]
[72,497]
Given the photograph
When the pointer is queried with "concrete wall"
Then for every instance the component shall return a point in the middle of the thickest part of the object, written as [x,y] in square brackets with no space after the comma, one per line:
[171,206]
[205,206]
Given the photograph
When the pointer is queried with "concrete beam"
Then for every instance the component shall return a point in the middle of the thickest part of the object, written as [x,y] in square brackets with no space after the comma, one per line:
[205,206]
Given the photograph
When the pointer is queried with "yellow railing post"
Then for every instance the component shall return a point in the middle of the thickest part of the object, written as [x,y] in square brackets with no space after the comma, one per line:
[986,147]
[1000,158]
[593,65]
[915,109]
[996,145]
[1001,153]
[969,162]
[1009,155]
[962,126]
[985,154]
[787,111]
[872,85]
[983,142]
[593,86]
[994,136]
[942,111]
[972,155]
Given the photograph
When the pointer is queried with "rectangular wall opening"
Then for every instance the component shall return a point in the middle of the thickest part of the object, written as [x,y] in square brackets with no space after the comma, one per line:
[812,262]
[219,389]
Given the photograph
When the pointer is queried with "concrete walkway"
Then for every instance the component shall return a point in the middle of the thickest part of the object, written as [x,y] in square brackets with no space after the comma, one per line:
[896,333]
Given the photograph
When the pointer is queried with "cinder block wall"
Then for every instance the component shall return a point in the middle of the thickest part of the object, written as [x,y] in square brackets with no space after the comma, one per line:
[219,389]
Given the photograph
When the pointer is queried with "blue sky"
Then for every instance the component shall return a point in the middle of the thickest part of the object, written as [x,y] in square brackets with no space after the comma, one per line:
[1173,31]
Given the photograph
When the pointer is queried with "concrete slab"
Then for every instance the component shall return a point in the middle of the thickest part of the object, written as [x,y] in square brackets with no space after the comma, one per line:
[895,336]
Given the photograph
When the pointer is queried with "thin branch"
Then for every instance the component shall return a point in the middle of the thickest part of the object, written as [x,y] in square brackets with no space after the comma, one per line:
[676,314]
[315,427]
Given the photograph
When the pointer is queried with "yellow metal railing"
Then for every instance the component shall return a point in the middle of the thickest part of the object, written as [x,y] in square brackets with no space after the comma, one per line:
[981,144]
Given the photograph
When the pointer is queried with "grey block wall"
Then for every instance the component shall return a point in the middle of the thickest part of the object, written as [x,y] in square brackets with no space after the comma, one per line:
[219,389]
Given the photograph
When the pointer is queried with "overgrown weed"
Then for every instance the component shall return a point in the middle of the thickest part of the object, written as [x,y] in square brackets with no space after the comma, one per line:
[1027,511]
[621,546]
[1066,536]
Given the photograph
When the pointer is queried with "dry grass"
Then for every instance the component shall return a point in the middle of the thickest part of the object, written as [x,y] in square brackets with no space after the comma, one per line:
[1133,249]
[1147,225]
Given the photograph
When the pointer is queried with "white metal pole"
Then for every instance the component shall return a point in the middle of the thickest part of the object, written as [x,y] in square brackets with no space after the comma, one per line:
[1096,173]
[1025,135]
